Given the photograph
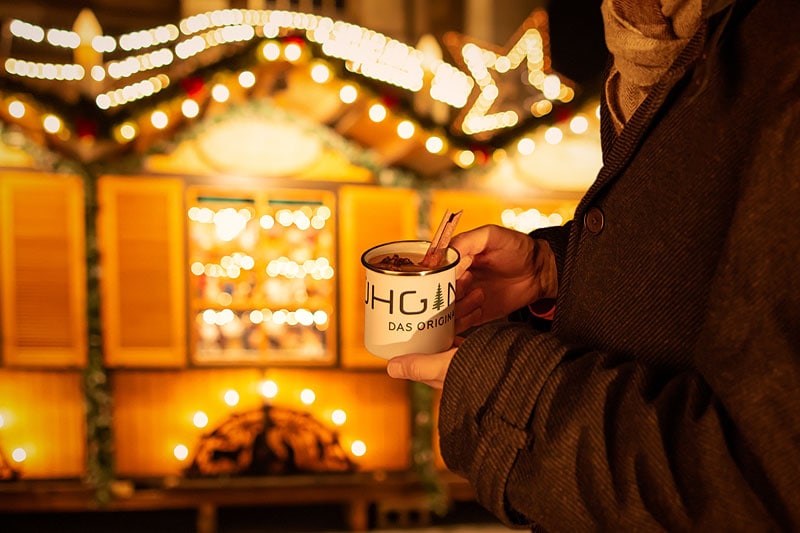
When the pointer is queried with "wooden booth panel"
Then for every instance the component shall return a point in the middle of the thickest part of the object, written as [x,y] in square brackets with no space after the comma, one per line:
[142,250]
[42,425]
[43,271]
[368,216]
[155,411]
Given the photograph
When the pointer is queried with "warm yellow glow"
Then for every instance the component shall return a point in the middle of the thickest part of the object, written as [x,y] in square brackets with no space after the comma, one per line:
[190,108]
[104,44]
[159,120]
[377,112]
[338,417]
[181,452]
[358,448]
[268,389]
[292,52]
[25,30]
[526,146]
[307,396]
[320,73]
[465,158]
[528,220]
[541,108]
[348,94]
[553,135]
[551,86]
[231,396]
[229,223]
[405,129]
[16,109]
[127,131]
[271,51]
[200,419]
[98,73]
[2,420]
[51,123]
[220,93]
[19,455]
[434,144]
[266,222]
[247,79]
[579,124]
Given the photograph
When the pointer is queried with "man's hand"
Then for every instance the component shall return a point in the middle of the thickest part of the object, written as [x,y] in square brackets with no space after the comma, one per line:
[501,270]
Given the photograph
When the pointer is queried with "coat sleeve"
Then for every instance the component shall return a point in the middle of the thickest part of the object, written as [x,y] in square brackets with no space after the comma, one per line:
[573,439]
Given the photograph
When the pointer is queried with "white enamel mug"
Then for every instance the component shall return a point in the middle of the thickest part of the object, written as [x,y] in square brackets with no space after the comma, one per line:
[408,312]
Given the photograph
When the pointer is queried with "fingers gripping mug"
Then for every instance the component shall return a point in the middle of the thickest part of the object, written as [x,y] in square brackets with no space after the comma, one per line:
[408,308]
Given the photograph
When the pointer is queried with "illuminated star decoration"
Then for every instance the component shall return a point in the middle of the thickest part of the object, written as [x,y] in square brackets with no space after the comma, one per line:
[511,83]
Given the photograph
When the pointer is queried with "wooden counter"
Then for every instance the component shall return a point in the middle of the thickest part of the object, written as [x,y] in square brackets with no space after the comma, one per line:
[400,491]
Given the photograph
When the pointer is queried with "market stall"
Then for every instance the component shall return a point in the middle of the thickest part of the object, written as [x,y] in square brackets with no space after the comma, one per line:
[183,214]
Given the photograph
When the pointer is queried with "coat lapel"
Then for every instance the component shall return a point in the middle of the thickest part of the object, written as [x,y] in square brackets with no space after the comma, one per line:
[618,149]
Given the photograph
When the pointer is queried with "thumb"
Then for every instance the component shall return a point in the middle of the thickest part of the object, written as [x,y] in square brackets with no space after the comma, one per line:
[418,367]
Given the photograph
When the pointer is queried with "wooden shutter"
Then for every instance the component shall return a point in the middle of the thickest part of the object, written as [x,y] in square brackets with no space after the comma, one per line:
[367,216]
[43,270]
[142,247]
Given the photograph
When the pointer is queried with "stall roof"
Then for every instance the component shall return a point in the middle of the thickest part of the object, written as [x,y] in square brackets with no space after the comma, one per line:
[415,107]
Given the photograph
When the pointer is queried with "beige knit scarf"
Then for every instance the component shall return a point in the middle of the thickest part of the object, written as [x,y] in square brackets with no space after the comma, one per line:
[645,37]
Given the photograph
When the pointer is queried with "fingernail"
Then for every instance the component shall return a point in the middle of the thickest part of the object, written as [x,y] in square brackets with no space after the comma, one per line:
[393,369]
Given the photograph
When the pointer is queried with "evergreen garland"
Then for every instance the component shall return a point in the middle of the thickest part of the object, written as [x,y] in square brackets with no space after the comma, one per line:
[422,455]
[97,389]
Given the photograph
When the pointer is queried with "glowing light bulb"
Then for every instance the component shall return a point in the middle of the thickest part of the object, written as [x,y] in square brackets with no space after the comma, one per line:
[247,79]
[19,455]
[190,108]
[181,452]
[292,52]
[358,448]
[320,73]
[51,124]
[405,130]
[338,417]
[271,51]
[16,109]
[348,94]
[551,87]
[526,146]
[579,124]
[231,397]
[127,131]
[220,93]
[377,112]
[553,135]
[200,419]
[159,120]
[307,396]
[434,144]
[269,389]
[466,158]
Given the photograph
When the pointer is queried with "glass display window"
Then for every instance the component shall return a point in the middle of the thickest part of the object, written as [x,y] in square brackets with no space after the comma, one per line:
[262,276]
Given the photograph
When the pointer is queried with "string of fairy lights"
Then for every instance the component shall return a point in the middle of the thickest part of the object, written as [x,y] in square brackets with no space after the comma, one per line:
[133,67]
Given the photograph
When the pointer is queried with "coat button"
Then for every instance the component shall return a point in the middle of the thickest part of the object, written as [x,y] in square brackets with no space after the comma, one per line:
[593,220]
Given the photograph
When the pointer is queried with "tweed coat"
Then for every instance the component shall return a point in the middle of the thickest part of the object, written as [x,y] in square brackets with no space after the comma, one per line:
[666,393]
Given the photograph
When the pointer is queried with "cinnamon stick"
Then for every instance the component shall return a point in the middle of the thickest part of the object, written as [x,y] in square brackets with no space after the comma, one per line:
[441,239]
